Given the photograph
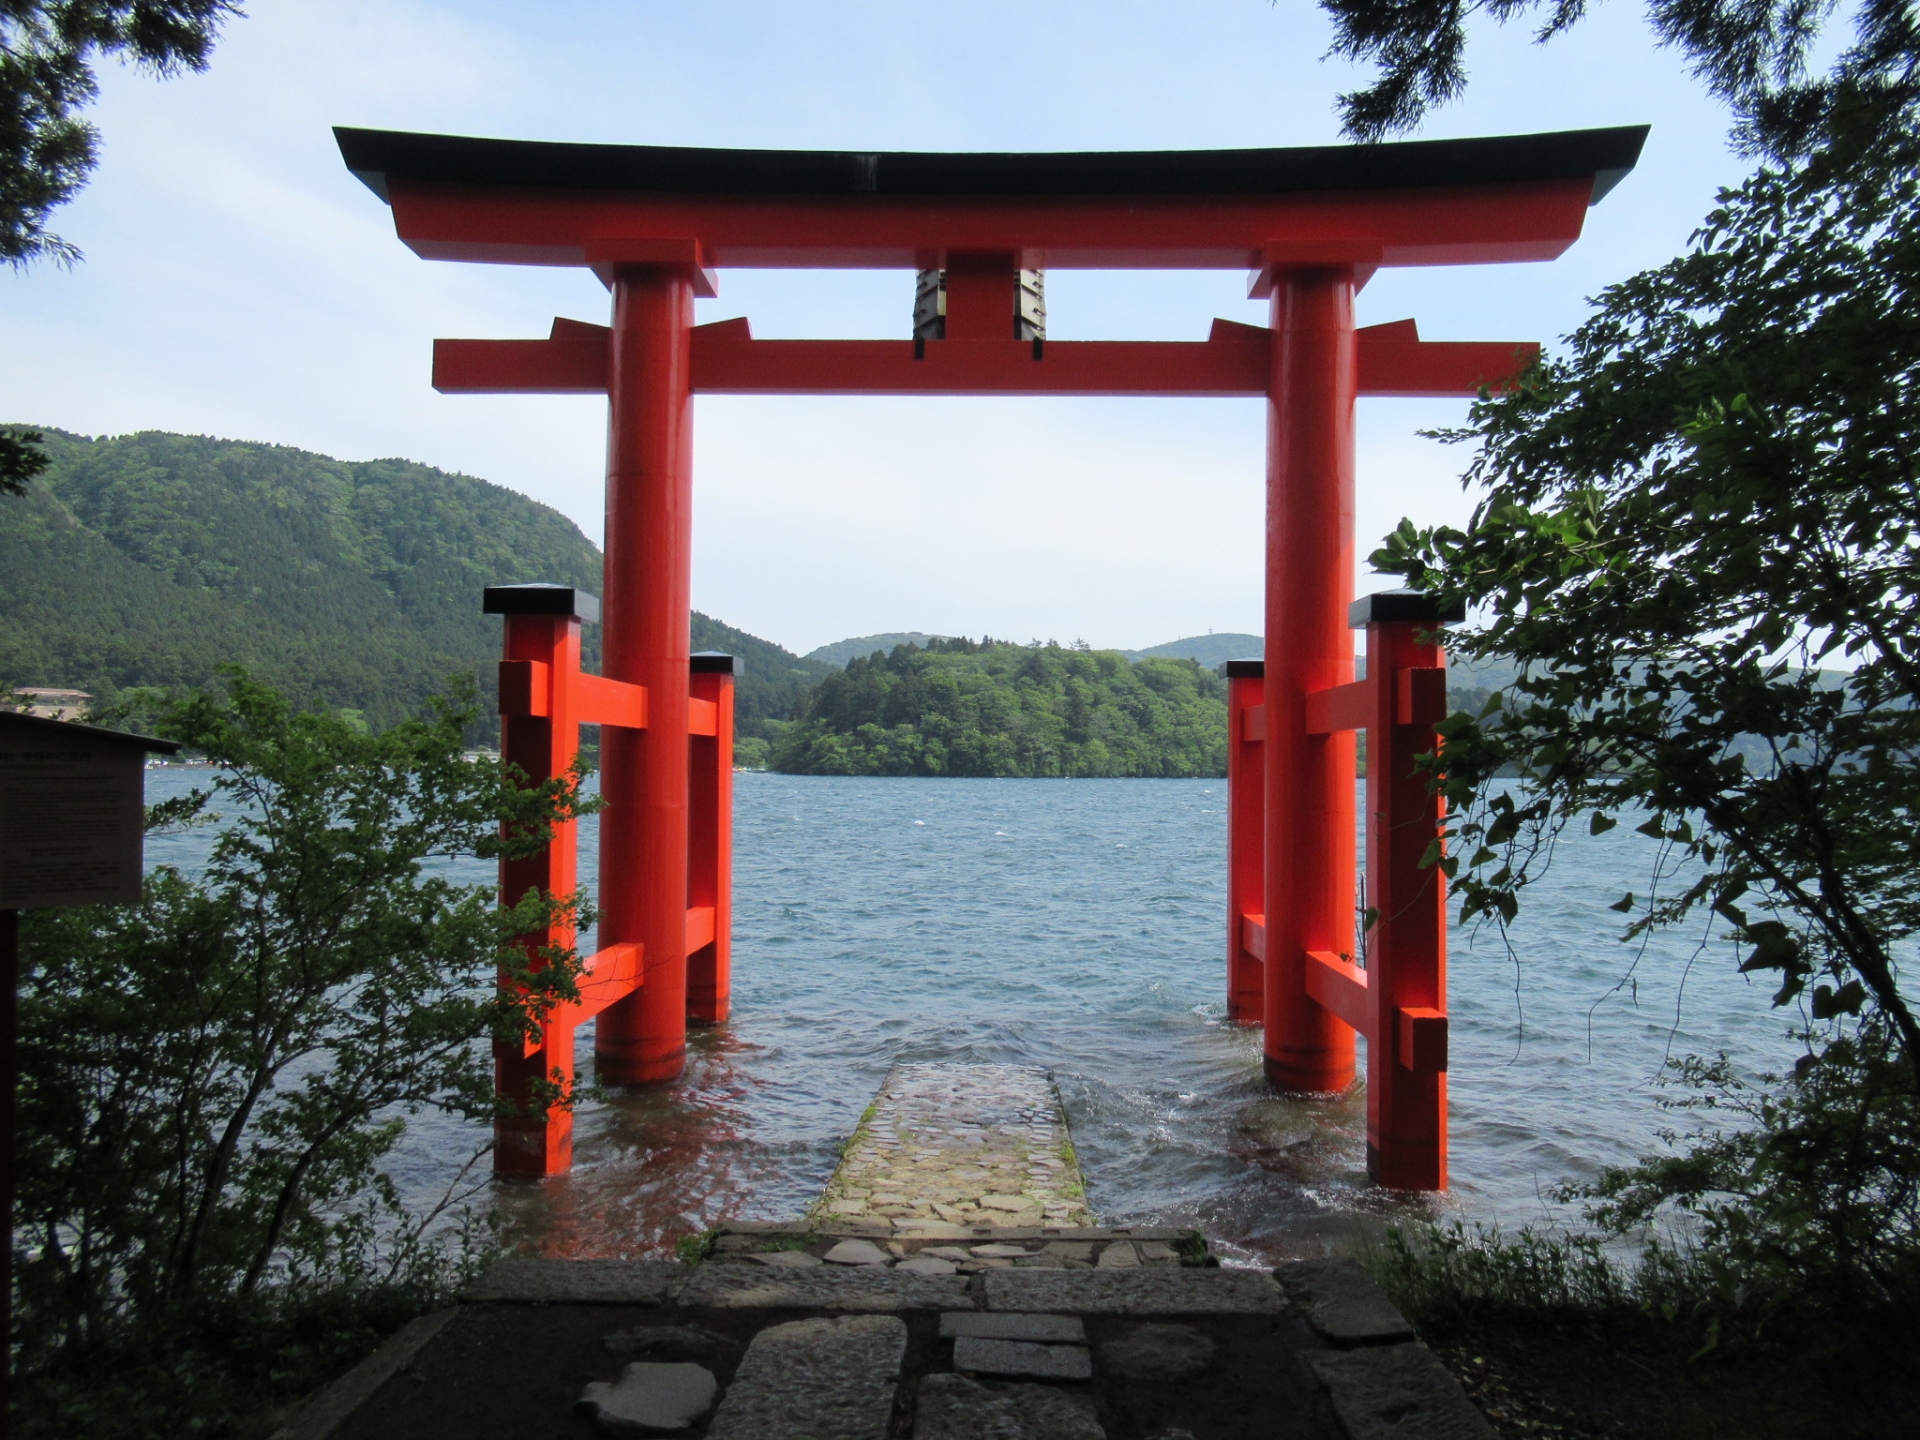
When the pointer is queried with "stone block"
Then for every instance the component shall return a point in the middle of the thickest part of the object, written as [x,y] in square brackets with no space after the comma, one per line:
[1158,1352]
[1342,1302]
[1397,1392]
[650,1398]
[1147,1290]
[786,1259]
[981,1355]
[671,1342]
[820,1379]
[927,1265]
[1043,1329]
[1119,1256]
[954,1407]
[826,1287]
[580,1282]
[857,1252]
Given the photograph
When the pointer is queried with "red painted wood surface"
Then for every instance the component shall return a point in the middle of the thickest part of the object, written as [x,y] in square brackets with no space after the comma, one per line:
[1308,777]
[1246,845]
[649,550]
[710,851]
[1407,943]
[1447,225]
[1392,361]
[539,733]
[1398,998]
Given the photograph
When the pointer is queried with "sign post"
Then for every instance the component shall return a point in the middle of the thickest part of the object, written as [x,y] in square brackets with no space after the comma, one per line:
[72,818]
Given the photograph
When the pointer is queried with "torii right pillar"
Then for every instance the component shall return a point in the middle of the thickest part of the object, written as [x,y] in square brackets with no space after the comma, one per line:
[1317,993]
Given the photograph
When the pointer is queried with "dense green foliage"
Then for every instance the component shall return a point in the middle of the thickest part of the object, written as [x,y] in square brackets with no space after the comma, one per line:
[48,49]
[992,708]
[1774,61]
[212,1079]
[1709,495]
[1714,491]
[21,458]
[153,559]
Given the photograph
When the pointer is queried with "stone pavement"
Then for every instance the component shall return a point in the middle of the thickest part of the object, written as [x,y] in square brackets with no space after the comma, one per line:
[964,1145]
[545,1349]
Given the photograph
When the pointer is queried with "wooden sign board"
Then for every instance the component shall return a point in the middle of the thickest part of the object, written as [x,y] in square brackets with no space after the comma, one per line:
[72,813]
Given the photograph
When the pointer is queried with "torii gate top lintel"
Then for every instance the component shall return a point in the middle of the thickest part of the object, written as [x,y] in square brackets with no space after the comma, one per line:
[1427,202]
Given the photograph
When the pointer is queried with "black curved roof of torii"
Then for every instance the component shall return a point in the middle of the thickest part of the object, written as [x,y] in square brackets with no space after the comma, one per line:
[379,155]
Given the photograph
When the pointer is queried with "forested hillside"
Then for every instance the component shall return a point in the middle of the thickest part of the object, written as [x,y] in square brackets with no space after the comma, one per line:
[959,707]
[152,559]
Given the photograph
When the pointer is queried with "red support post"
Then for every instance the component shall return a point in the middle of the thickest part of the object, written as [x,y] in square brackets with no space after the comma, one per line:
[980,296]
[710,836]
[1407,941]
[1246,841]
[542,650]
[1309,777]
[643,855]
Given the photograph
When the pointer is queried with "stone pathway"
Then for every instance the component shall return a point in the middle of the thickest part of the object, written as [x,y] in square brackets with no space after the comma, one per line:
[590,1349]
[960,1145]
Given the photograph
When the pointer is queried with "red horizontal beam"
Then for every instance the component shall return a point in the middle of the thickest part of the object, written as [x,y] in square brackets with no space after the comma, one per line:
[1422,1040]
[1344,707]
[1253,935]
[611,702]
[1341,986]
[605,976]
[1253,723]
[520,367]
[703,717]
[700,927]
[1446,225]
[728,361]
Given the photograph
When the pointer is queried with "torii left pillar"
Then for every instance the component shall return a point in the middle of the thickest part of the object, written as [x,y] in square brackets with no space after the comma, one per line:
[649,549]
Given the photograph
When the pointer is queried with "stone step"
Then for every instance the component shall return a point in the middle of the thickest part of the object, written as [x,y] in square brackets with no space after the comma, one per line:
[829,1378]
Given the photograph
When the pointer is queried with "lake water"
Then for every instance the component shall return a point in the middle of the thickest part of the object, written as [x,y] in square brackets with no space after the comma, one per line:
[1078,924]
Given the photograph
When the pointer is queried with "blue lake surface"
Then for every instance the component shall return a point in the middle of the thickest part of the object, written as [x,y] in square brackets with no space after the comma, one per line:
[1079,925]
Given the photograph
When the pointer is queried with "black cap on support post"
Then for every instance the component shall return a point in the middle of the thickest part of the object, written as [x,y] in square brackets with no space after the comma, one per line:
[1254,669]
[714,662]
[541,599]
[1388,606]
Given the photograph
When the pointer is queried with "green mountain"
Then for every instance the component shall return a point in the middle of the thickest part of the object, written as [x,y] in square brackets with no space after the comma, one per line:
[152,559]
[772,679]
[1209,650]
[841,651]
[957,707]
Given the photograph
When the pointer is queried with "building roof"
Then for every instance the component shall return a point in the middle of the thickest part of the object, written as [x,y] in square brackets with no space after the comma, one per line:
[36,727]
[378,156]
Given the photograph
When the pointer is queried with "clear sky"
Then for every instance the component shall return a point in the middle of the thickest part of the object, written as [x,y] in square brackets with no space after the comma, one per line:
[238,282]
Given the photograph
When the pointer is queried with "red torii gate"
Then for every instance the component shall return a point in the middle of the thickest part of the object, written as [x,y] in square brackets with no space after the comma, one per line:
[1311,225]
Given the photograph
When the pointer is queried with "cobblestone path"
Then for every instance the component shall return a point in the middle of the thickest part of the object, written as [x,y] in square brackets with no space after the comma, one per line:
[963,1144]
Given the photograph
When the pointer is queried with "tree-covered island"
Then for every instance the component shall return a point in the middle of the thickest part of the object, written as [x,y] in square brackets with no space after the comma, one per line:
[991,707]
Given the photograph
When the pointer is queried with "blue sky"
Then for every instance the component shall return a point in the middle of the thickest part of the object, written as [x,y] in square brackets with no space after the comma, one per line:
[238,282]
